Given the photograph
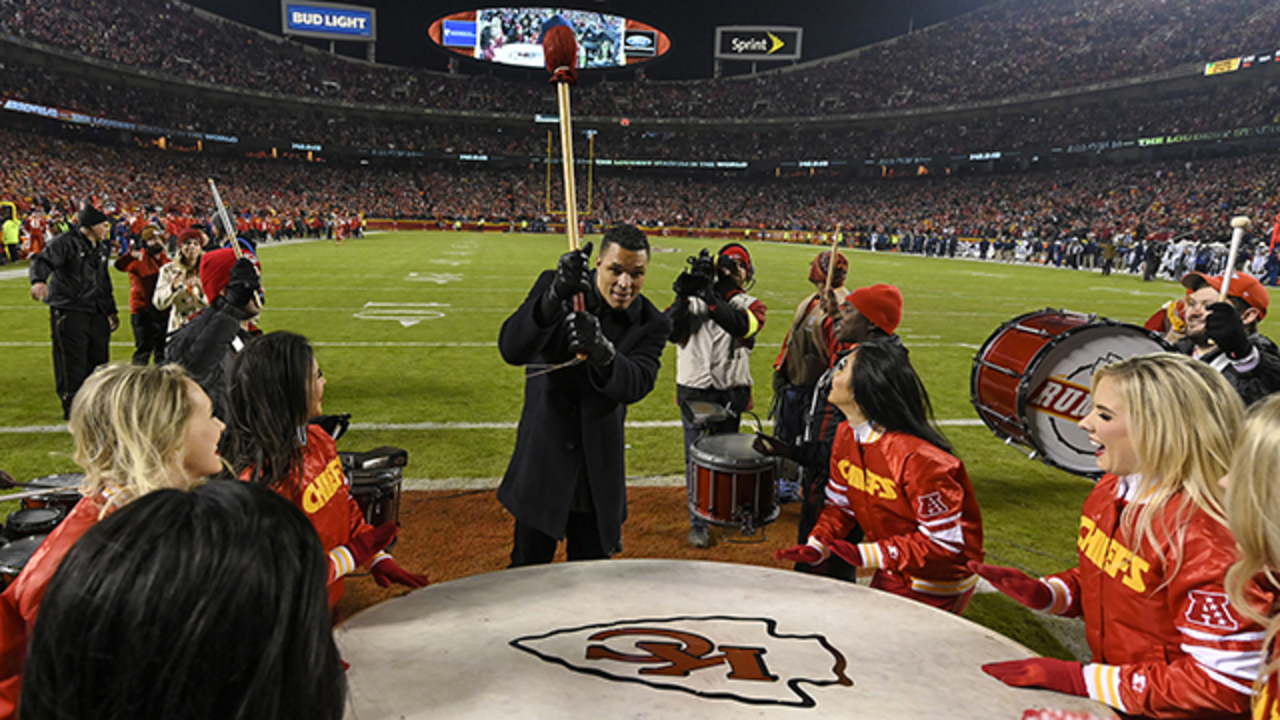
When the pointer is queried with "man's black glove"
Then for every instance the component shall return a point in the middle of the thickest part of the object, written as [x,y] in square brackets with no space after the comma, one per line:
[573,276]
[771,446]
[243,284]
[1226,329]
[586,338]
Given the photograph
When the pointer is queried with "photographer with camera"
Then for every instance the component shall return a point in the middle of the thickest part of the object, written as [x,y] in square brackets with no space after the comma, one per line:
[207,345]
[714,326]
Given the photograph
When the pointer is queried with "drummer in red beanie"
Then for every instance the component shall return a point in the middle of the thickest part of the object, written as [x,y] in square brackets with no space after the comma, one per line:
[208,344]
[806,354]
[1225,334]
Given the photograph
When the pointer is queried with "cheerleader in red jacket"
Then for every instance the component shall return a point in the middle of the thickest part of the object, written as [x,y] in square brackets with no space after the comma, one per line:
[893,474]
[1253,504]
[1154,549]
[276,387]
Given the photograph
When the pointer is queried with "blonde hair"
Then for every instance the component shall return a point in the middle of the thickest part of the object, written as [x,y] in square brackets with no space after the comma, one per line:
[1253,514]
[1183,418]
[130,424]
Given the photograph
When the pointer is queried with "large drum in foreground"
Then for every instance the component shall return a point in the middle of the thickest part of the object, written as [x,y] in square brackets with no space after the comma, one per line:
[1032,380]
[673,639]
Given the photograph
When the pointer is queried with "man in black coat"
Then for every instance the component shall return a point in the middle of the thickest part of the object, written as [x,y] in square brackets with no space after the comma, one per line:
[567,477]
[70,276]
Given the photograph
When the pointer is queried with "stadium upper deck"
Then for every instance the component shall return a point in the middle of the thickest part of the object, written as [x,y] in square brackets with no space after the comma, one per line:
[1010,49]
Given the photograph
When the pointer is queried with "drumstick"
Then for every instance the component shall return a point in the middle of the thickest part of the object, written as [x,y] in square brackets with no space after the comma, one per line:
[1238,224]
[226,218]
[231,230]
[831,266]
[38,491]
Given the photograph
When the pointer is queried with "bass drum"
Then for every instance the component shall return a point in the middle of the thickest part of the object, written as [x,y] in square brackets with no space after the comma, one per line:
[1033,378]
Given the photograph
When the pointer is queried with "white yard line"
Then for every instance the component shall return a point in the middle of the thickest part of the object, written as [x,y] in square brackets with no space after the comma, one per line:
[449,426]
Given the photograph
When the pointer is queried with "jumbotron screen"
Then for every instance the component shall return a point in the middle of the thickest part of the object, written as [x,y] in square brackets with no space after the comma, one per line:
[513,36]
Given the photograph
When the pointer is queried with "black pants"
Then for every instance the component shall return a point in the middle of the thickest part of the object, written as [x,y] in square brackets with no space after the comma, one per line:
[13,249]
[582,542]
[81,342]
[150,327]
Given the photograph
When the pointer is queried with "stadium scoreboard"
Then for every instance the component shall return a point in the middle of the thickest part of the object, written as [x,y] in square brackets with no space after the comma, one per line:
[328,21]
[742,42]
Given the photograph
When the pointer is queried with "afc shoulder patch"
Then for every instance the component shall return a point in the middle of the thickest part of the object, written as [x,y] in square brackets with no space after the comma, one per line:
[1211,610]
[932,505]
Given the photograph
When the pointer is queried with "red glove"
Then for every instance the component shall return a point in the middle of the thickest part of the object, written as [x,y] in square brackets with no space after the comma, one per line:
[367,544]
[806,554]
[1060,675]
[1027,590]
[845,550]
[386,571]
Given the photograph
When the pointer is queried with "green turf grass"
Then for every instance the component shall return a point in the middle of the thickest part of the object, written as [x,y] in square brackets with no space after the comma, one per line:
[445,368]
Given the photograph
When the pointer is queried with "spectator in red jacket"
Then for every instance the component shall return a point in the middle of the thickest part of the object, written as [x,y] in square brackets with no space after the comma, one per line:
[150,324]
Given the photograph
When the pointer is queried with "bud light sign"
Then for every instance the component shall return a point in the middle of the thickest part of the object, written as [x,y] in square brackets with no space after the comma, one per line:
[326,20]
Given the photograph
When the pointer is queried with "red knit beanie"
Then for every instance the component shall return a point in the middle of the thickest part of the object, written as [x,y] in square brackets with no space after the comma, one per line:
[881,304]
[215,271]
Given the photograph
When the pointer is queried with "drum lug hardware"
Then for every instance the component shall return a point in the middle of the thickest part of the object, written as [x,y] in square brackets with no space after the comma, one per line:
[1031,454]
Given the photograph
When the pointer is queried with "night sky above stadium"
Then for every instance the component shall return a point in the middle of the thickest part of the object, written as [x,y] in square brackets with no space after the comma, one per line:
[830,26]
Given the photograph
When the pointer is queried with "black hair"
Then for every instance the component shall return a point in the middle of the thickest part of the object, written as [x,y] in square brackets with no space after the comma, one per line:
[202,604]
[628,237]
[269,393]
[889,392]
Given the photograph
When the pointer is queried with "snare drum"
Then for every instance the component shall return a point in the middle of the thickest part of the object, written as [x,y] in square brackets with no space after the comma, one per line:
[63,493]
[730,484]
[1032,380]
[36,521]
[15,555]
[377,492]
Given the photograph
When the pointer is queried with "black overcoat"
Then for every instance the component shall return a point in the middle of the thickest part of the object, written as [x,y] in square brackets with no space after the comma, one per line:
[573,418]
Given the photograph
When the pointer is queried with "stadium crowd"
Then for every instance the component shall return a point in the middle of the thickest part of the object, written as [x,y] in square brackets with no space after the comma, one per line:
[1216,107]
[1172,200]
[1002,50]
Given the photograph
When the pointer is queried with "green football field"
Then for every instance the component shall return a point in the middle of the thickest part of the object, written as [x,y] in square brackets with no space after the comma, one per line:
[405,328]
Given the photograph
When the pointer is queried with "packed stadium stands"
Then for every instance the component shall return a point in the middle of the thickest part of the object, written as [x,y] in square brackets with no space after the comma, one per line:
[405,156]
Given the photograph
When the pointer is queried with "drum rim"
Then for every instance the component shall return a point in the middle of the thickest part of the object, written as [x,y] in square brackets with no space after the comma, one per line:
[1023,389]
[759,462]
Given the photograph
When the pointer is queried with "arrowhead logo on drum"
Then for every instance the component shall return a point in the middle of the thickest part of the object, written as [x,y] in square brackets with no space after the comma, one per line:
[718,657]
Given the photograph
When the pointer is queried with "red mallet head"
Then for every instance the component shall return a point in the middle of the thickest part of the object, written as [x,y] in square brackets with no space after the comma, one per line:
[560,48]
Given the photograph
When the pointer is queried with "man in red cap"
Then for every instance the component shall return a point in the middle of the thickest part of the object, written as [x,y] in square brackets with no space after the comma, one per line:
[714,326]
[805,355]
[1225,334]
[868,313]
[150,324]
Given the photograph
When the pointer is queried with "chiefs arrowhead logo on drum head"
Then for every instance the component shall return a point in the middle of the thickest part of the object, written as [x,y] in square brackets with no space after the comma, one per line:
[717,657]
